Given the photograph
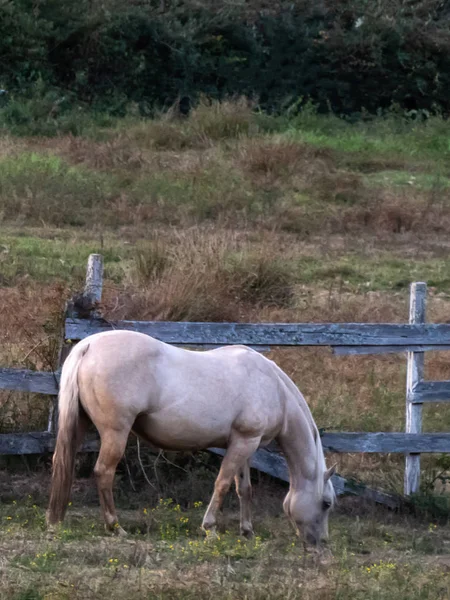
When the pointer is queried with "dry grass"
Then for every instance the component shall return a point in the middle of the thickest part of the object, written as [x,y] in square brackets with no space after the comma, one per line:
[203,276]
[212,121]
[225,164]
[270,161]
[117,153]
[191,285]
[30,326]
[411,211]
[30,317]
[209,122]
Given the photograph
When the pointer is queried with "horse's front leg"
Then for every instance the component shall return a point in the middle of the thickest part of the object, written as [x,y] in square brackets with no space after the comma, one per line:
[244,492]
[239,451]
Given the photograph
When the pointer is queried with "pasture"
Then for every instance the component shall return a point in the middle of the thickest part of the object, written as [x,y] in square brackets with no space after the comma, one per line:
[229,215]
[373,554]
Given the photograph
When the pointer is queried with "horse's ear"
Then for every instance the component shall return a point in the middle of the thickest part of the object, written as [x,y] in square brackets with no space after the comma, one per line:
[329,473]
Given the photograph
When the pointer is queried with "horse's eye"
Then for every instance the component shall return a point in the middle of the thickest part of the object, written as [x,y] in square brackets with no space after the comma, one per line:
[326,505]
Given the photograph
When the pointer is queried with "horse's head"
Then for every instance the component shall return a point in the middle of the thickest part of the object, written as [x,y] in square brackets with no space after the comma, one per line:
[308,508]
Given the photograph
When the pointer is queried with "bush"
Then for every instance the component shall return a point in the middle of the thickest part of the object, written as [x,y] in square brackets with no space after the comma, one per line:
[346,56]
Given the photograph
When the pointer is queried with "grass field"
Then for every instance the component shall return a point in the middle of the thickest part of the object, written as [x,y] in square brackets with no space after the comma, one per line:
[372,554]
[236,216]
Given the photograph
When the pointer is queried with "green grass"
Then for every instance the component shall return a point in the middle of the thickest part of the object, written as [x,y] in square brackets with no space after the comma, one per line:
[28,594]
[44,189]
[58,258]
[36,116]
[228,165]
[383,272]
[63,255]
[421,181]
[390,137]
[205,194]
[372,555]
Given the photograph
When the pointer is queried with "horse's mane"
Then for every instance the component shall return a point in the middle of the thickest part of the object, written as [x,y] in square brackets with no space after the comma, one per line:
[320,458]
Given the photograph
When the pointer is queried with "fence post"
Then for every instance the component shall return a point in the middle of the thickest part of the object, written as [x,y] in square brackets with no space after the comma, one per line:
[417,304]
[92,295]
[94,279]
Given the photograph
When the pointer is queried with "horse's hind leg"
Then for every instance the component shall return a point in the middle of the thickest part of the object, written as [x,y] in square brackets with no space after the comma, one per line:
[83,424]
[244,492]
[240,449]
[112,448]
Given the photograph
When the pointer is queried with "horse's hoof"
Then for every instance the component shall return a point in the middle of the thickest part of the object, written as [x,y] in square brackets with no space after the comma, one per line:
[210,532]
[247,532]
[51,531]
[116,529]
[120,532]
[326,556]
[50,534]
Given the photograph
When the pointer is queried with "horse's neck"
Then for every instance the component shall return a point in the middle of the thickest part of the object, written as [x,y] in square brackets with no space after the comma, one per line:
[298,443]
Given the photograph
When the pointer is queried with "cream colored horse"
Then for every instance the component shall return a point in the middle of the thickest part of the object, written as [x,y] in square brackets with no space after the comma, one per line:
[177,399]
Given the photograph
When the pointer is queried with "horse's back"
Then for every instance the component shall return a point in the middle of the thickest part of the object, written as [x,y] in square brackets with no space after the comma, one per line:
[182,398]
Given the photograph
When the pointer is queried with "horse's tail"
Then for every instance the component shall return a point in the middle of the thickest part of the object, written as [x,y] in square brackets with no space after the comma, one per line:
[67,440]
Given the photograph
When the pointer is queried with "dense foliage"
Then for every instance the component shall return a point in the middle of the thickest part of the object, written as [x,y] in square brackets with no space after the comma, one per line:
[348,55]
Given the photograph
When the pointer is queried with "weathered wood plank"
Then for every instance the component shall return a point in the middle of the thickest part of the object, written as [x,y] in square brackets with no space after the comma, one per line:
[358,350]
[350,487]
[414,376]
[430,391]
[274,334]
[381,442]
[40,442]
[94,278]
[386,443]
[24,380]
[265,461]
[271,463]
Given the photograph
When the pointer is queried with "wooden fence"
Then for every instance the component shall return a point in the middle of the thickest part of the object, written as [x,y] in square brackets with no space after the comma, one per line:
[415,338]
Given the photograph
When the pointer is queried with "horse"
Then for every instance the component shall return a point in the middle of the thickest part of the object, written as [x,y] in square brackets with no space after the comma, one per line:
[176,399]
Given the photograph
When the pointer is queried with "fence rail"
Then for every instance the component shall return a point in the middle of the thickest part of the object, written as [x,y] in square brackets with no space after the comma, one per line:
[24,380]
[415,338]
[372,335]
[395,443]
[430,391]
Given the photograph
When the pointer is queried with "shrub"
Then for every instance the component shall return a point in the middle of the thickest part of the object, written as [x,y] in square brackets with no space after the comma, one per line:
[345,56]
[193,285]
